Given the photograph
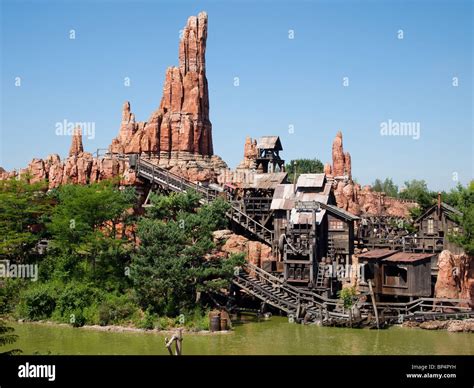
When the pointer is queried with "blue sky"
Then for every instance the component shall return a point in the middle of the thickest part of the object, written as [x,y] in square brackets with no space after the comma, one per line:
[282,82]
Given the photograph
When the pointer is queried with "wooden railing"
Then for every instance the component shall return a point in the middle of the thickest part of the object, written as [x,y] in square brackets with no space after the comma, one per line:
[149,170]
[289,299]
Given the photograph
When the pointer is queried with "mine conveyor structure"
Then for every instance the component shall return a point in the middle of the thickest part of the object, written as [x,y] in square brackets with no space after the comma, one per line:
[148,170]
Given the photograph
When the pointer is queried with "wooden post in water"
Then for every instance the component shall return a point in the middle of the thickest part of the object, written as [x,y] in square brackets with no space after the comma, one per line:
[177,338]
[372,296]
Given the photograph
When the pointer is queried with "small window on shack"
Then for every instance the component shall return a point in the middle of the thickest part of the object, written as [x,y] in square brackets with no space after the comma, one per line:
[395,276]
[430,227]
[336,225]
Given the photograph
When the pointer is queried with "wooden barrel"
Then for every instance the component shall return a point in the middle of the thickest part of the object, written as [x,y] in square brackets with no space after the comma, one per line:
[215,323]
[223,323]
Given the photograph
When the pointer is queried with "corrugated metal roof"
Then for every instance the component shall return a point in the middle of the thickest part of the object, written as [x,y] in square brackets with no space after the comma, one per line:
[311,180]
[376,254]
[308,197]
[284,197]
[306,217]
[341,212]
[282,204]
[408,257]
[269,142]
[266,181]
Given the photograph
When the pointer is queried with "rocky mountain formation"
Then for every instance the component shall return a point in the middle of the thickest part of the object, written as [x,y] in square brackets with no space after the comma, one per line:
[178,135]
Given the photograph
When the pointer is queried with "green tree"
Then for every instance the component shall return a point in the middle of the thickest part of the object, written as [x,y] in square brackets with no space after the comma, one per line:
[7,337]
[387,186]
[303,166]
[417,190]
[463,199]
[83,228]
[171,265]
[22,208]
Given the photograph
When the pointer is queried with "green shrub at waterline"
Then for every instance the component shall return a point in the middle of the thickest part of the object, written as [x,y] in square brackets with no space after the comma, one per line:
[38,302]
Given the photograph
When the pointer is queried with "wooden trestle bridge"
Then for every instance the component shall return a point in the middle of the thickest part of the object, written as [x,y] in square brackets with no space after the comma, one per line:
[300,304]
[148,170]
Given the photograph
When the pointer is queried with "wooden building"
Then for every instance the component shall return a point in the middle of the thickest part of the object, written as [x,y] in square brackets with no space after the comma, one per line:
[396,274]
[436,224]
[268,158]
[311,232]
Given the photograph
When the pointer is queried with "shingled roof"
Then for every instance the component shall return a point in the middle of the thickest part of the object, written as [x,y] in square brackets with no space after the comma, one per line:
[270,143]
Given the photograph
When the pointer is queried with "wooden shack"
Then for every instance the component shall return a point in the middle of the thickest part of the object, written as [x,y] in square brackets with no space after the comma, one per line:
[308,188]
[268,157]
[311,230]
[396,274]
[436,224]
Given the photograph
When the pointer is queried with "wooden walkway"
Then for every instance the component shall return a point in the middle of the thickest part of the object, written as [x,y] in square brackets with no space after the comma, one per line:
[148,170]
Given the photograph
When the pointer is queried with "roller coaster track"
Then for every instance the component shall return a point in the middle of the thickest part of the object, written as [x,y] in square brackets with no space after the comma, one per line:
[148,170]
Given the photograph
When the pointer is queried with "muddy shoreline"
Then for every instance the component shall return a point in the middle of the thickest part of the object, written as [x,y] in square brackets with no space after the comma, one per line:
[124,329]
[452,326]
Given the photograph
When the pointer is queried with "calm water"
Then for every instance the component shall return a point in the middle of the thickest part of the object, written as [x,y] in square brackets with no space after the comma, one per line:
[275,336]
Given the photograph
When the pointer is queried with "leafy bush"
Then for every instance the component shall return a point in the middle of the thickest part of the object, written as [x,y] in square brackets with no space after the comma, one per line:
[10,292]
[347,295]
[39,301]
[116,309]
[75,297]
[165,323]
[77,318]
[148,321]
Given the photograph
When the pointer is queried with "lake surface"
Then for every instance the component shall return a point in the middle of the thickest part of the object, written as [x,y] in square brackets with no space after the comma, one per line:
[268,337]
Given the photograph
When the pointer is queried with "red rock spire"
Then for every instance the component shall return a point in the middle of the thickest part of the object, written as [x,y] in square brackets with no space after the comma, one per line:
[181,123]
[76,145]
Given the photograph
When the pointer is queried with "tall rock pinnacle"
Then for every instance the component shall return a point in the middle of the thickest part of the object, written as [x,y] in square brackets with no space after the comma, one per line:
[181,123]
[76,144]
[337,155]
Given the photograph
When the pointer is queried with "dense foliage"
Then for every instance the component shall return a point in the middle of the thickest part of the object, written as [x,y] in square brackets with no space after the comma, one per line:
[22,208]
[171,269]
[93,272]
[303,166]
[387,186]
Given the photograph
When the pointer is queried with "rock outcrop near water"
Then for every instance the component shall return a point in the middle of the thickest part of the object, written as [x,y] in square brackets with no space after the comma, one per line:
[455,277]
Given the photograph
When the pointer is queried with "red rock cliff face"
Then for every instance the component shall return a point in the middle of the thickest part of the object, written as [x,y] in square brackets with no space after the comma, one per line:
[455,277]
[79,168]
[351,196]
[181,123]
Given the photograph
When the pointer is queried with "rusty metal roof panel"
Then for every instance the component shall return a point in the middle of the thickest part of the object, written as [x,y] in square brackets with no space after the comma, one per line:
[311,180]
[269,181]
[282,204]
[283,197]
[305,217]
[269,142]
[408,257]
[308,197]
[284,191]
[376,254]
[266,181]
